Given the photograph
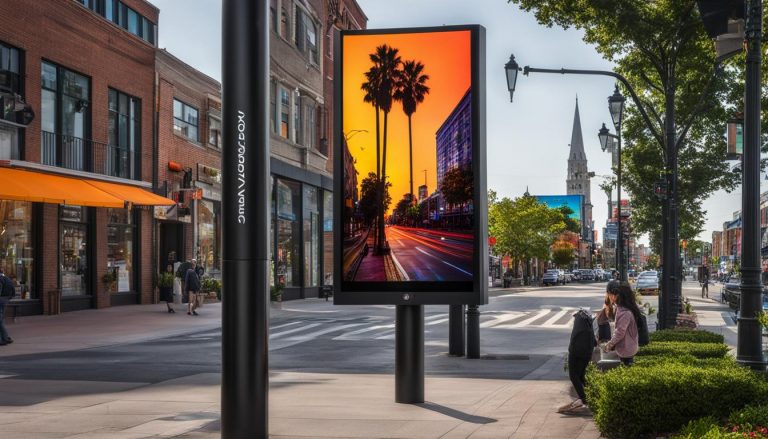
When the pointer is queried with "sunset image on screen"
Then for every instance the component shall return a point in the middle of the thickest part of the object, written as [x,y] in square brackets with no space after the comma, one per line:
[407,150]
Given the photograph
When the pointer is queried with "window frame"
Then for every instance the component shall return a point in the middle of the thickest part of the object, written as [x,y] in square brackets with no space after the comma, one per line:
[135,149]
[217,144]
[177,128]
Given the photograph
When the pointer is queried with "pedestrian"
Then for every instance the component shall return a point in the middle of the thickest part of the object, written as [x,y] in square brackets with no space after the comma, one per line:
[705,282]
[200,270]
[7,291]
[166,294]
[580,350]
[625,340]
[606,315]
[191,288]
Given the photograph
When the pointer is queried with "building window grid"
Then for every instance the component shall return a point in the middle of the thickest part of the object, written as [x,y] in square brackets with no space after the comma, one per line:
[125,17]
[185,120]
[124,134]
[214,132]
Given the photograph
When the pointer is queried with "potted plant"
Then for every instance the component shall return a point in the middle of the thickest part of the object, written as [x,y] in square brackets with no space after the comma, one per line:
[211,285]
[165,285]
[276,293]
[109,279]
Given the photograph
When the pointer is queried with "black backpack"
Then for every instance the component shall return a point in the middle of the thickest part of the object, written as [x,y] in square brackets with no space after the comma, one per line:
[643,338]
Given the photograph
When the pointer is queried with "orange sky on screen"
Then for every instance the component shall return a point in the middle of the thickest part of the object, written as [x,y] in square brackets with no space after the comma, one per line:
[447,60]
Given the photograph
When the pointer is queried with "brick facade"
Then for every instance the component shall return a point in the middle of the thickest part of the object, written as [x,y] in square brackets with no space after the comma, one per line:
[66,33]
[177,80]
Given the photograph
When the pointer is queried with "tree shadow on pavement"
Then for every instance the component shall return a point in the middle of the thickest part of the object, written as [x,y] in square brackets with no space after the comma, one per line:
[456,414]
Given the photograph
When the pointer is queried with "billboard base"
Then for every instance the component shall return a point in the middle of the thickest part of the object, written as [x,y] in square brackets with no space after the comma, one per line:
[409,354]
[456,330]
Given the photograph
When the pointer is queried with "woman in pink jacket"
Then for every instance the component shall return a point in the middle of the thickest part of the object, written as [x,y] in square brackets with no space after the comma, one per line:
[625,336]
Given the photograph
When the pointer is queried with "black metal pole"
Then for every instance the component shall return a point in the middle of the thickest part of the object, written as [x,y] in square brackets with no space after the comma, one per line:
[245,219]
[409,354]
[670,249]
[749,347]
[620,241]
[456,330]
[473,332]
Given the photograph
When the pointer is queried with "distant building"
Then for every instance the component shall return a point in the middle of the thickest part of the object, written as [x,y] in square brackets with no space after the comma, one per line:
[578,181]
[423,192]
[454,139]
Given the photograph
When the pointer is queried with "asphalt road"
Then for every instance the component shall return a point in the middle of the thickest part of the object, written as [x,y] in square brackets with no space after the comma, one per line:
[520,332]
[429,255]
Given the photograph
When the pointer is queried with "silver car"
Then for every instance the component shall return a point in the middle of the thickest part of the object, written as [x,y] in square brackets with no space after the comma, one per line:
[647,283]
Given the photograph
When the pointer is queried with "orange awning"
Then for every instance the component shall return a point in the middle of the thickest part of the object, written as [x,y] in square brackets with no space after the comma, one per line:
[22,185]
[135,195]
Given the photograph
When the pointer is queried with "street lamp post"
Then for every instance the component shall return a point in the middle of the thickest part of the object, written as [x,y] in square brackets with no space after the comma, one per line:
[670,300]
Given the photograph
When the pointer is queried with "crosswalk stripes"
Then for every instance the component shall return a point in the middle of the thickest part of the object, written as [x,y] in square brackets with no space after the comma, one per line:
[289,333]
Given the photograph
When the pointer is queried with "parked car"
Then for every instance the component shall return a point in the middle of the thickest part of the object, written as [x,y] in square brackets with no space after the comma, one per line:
[567,276]
[647,283]
[551,277]
[587,275]
[731,293]
[576,275]
[599,274]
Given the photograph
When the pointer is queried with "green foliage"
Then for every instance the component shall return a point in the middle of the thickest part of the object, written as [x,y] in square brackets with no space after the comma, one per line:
[662,49]
[276,292]
[562,254]
[753,414]
[762,317]
[210,284]
[165,280]
[523,227]
[571,224]
[685,359]
[701,428]
[662,398]
[457,186]
[689,335]
[653,261]
[677,348]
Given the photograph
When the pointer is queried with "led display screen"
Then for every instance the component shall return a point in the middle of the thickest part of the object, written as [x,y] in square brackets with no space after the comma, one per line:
[410,165]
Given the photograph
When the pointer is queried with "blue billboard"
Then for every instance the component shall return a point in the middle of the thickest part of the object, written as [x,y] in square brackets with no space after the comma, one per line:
[573,202]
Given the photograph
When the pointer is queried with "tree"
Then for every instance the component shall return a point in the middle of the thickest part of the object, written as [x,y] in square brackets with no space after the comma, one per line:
[369,195]
[571,224]
[562,254]
[411,89]
[457,186]
[662,49]
[401,209]
[524,228]
[652,262]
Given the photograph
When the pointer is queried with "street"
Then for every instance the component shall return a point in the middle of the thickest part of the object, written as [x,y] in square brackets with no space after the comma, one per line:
[431,255]
[162,377]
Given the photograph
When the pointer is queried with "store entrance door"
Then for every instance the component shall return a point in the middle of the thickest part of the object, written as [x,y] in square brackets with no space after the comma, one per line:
[171,244]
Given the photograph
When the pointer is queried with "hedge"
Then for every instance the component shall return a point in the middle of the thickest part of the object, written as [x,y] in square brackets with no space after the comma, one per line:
[690,335]
[747,422]
[632,401]
[685,359]
[678,348]
[754,415]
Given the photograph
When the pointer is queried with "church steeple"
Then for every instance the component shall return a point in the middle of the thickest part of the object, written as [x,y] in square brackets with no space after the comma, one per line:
[577,140]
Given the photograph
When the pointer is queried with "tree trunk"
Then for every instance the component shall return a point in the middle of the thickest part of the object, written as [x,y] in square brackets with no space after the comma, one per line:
[379,195]
[383,185]
[410,156]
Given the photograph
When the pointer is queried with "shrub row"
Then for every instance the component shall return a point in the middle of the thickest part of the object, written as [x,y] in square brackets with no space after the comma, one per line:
[678,348]
[693,336]
[663,397]
[749,422]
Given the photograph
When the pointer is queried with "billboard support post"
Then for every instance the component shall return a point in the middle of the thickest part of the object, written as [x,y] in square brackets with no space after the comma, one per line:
[409,354]
[245,219]
[456,330]
[473,332]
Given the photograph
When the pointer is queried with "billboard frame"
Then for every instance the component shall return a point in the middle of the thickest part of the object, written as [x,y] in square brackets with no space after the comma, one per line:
[473,292]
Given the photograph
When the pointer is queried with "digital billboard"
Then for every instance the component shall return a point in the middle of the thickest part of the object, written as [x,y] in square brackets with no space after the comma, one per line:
[573,202]
[410,166]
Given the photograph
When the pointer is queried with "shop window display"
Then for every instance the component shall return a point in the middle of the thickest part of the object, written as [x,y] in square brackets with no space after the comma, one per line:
[74,249]
[209,242]
[121,231]
[311,237]
[16,251]
[288,259]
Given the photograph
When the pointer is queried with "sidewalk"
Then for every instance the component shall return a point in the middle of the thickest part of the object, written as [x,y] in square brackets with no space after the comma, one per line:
[302,405]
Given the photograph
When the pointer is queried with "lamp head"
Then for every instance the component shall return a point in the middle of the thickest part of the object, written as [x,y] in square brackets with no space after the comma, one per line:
[511,68]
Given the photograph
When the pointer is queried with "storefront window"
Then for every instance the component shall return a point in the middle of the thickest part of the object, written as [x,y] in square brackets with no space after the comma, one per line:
[311,237]
[74,249]
[16,252]
[121,231]
[209,241]
[288,262]
[327,238]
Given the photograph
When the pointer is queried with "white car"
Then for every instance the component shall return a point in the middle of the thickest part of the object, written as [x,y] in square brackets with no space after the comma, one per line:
[647,282]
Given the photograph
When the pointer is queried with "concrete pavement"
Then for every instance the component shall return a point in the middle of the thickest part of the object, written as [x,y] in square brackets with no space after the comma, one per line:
[302,404]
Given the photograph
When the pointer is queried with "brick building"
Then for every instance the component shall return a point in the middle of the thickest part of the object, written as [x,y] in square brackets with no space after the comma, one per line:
[188,161]
[301,90]
[75,180]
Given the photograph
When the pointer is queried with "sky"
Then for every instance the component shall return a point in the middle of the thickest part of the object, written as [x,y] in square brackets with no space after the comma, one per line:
[446,60]
[527,139]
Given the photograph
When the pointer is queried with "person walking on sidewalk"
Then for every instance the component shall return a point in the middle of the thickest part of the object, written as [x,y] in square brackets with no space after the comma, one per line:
[7,291]
[166,293]
[579,355]
[625,340]
[191,288]
[705,281]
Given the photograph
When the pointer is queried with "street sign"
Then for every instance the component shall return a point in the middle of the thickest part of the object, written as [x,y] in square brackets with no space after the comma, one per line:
[492,241]
[660,189]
